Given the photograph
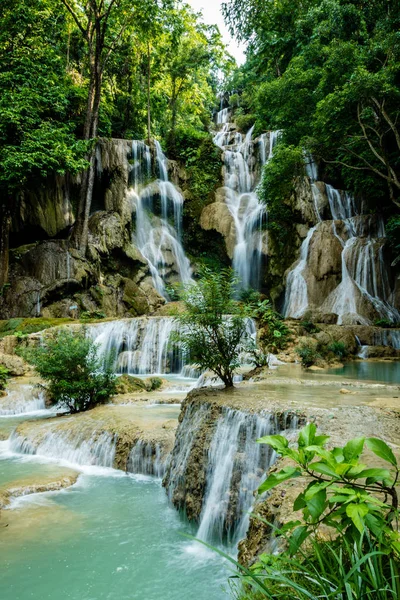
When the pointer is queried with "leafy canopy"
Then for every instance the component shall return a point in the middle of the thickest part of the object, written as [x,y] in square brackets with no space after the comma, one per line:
[77,378]
[214,326]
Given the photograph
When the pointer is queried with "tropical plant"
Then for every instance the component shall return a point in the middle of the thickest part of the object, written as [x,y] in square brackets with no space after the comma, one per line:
[77,379]
[213,326]
[4,375]
[339,349]
[357,555]
[309,354]
[344,493]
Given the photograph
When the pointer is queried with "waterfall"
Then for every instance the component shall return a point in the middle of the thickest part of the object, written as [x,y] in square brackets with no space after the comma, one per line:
[145,345]
[141,346]
[296,297]
[23,400]
[241,178]
[364,291]
[146,458]
[98,450]
[158,207]
[236,465]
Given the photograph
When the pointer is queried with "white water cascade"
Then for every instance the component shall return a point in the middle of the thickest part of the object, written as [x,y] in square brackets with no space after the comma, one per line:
[364,292]
[158,206]
[145,345]
[25,399]
[236,466]
[146,458]
[98,450]
[296,298]
[243,161]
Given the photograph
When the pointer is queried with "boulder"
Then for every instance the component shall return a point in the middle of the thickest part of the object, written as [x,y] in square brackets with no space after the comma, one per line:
[14,364]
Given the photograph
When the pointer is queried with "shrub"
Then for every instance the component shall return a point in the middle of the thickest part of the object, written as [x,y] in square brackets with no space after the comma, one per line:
[310,327]
[4,374]
[339,349]
[274,334]
[76,377]
[358,505]
[383,323]
[309,354]
[214,328]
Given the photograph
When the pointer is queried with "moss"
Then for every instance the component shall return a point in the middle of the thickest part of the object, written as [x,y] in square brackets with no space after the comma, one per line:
[27,326]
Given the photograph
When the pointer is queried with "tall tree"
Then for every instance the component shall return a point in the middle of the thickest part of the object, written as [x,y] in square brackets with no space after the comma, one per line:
[36,132]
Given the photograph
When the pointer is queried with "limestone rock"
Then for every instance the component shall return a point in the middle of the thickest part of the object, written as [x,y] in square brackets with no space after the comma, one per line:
[14,364]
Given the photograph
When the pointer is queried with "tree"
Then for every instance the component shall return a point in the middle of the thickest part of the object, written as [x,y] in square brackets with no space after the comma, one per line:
[77,378]
[36,128]
[213,327]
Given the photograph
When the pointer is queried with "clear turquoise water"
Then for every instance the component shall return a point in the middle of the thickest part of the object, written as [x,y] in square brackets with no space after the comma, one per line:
[106,538]
[381,371]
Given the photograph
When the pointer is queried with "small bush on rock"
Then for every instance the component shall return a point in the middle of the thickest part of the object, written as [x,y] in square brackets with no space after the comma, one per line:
[339,349]
[77,378]
[4,374]
[309,354]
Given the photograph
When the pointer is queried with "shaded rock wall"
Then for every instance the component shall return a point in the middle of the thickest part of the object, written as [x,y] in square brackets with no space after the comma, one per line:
[49,278]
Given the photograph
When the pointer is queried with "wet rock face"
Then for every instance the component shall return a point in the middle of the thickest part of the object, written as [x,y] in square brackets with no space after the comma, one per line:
[49,278]
[216,463]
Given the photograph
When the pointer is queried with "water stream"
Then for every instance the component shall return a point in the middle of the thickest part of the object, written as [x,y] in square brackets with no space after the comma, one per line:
[243,161]
[157,206]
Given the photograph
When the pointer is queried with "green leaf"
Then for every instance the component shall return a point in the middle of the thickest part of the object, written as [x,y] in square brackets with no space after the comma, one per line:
[316,505]
[314,488]
[373,475]
[276,478]
[307,435]
[277,442]
[353,449]
[357,512]
[299,535]
[299,503]
[381,449]
[320,467]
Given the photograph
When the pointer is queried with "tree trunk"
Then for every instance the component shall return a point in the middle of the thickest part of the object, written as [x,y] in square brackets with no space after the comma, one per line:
[5,224]
[148,94]
[81,228]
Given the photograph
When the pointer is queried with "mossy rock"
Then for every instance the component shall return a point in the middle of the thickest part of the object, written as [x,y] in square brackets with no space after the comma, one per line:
[127,384]
[27,326]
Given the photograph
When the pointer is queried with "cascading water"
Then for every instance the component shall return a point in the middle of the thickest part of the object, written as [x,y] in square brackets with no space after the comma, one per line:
[141,346]
[364,291]
[296,298]
[158,217]
[23,400]
[243,160]
[146,458]
[145,346]
[98,450]
[235,465]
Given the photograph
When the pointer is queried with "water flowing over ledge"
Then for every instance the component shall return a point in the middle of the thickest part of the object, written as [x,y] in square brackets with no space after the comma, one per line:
[145,346]
[216,465]
[364,291]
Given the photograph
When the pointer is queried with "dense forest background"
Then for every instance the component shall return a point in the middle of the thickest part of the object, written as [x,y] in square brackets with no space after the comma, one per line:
[325,73]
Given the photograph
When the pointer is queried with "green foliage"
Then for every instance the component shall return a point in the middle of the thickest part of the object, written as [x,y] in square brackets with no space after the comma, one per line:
[275,191]
[274,334]
[4,375]
[22,327]
[327,75]
[92,314]
[76,377]
[384,323]
[339,349]
[309,326]
[309,354]
[344,493]
[213,324]
[393,235]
